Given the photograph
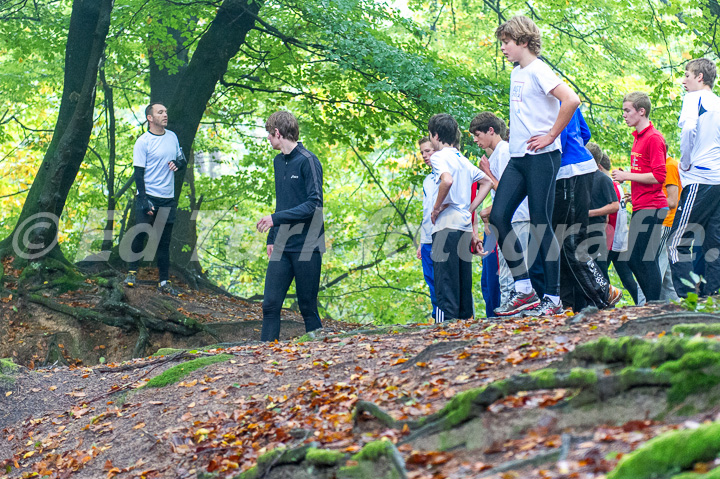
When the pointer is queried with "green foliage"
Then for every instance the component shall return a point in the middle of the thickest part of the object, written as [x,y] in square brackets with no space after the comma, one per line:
[176,373]
[363,78]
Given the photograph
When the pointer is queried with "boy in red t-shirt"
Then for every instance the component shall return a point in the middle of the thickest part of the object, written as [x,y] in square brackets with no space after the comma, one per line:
[650,206]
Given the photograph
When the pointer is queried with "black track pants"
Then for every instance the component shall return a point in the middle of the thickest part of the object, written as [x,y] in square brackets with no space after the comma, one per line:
[644,248]
[532,176]
[452,263]
[164,216]
[582,281]
[697,220]
[282,268]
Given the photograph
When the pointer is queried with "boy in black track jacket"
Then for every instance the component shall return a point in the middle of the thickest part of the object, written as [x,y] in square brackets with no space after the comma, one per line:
[296,231]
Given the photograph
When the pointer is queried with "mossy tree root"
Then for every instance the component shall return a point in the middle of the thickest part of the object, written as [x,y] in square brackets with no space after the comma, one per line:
[669,453]
[309,457]
[472,403]
[83,314]
[112,310]
[142,340]
[698,328]
[639,352]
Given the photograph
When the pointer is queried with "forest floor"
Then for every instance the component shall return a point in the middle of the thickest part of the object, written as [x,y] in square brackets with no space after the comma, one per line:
[107,421]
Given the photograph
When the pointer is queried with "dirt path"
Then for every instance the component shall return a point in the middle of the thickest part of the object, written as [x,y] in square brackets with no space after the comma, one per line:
[100,422]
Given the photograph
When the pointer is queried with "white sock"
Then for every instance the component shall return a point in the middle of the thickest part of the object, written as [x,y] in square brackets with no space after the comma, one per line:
[523,286]
[554,299]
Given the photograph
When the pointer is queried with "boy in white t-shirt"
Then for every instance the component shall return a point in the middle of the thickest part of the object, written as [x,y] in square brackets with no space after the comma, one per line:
[541,106]
[424,251]
[700,177]
[452,232]
[488,131]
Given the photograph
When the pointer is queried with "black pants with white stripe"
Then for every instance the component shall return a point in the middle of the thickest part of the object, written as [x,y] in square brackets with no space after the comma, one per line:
[452,265]
[697,221]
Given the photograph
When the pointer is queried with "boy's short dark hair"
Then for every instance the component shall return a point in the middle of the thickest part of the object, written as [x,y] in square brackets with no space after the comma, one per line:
[605,162]
[486,120]
[521,29]
[639,100]
[595,150]
[445,127]
[704,66]
[149,108]
[424,139]
[286,124]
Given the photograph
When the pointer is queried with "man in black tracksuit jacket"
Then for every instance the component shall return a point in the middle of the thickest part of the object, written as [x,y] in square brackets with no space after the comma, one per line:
[296,231]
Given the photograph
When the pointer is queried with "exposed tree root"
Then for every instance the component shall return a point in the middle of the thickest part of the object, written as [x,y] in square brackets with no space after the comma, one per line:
[665,322]
[113,310]
[669,453]
[378,459]
[536,460]
[683,366]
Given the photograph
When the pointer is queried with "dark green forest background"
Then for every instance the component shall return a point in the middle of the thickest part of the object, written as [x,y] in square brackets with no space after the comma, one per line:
[362,77]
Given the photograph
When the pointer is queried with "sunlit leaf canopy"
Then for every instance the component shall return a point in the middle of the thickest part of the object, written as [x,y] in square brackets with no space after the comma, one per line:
[363,78]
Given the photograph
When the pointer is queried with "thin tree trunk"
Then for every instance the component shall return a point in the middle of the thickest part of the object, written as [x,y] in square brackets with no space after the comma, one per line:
[107,243]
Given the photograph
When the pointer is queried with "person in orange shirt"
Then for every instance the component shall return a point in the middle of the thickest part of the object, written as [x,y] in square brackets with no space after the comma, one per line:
[672,189]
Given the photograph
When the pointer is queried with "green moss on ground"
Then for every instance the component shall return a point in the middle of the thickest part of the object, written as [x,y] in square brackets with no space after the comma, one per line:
[639,352]
[694,329]
[583,376]
[460,407]
[367,458]
[7,366]
[545,378]
[694,372]
[176,373]
[323,457]
[714,474]
[669,453]
[166,352]
[372,451]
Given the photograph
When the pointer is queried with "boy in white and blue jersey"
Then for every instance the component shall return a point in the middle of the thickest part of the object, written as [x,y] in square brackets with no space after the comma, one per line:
[424,251]
[700,177]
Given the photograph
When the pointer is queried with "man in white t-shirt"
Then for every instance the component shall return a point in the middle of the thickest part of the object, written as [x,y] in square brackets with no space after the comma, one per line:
[488,131]
[424,251]
[452,232]
[541,106]
[700,177]
[156,158]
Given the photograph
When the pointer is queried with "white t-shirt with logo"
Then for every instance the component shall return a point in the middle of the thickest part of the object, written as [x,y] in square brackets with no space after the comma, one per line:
[457,215]
[533,110]
[498,162]
[153,152]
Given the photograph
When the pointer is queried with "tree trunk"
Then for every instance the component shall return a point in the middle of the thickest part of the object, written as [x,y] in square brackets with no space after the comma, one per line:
[107,243]
[191,92]
[35,234]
